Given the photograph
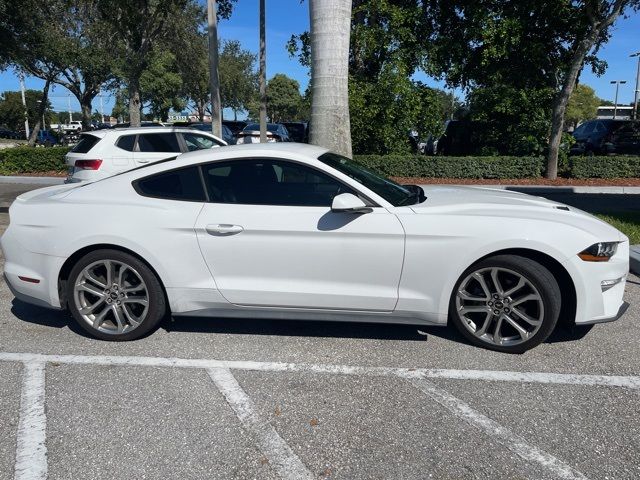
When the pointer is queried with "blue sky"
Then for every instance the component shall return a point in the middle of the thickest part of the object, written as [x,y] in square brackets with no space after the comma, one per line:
[287,17]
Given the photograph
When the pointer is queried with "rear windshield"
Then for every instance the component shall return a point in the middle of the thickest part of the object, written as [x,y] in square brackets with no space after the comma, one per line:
[272,127]
[85,144]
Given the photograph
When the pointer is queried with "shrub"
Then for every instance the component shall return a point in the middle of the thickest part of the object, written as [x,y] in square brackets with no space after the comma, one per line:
[453,167]
[605,167]
[32,160]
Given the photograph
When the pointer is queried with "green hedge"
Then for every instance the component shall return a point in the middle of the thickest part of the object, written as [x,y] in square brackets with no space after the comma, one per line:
[15,161]
[605,167]
[19,160]
[453,167]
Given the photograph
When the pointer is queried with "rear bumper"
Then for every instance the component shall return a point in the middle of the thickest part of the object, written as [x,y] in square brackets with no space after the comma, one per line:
[20,262]
[27,298]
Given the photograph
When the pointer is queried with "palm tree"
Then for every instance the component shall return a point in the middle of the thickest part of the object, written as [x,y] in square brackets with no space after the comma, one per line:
[330,28]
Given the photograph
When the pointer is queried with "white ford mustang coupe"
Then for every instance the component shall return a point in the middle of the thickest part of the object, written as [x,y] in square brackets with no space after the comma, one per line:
[298,232]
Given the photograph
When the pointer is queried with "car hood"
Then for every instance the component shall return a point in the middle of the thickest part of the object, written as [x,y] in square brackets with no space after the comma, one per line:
[490,202]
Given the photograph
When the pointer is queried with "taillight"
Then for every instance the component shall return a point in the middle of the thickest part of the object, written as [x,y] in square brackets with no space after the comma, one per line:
[88,164]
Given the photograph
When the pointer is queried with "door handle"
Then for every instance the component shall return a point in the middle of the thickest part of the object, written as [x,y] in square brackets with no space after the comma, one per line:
[142,161]
[223,229]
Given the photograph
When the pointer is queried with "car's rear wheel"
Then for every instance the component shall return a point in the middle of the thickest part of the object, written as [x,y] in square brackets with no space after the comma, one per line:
[506,303]
[115,296]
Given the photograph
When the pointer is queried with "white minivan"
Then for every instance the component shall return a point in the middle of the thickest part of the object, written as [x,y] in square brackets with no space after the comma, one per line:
[103,153]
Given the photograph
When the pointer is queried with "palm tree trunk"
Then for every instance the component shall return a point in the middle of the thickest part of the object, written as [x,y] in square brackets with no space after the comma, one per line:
[330,29]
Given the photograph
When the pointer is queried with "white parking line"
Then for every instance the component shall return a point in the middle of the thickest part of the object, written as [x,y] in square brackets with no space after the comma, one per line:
[632,382]
[281,457]
[31,450]
[506,437]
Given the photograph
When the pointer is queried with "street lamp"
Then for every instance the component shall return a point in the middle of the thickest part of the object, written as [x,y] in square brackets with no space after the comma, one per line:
[615,105]
[635,102]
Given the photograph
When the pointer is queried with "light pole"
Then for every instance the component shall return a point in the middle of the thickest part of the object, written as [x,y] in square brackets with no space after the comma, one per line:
[615,105]
[637,92]
[24,105]
[262,75]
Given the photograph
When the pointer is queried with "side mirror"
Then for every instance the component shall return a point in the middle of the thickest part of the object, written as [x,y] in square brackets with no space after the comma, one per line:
[349,203]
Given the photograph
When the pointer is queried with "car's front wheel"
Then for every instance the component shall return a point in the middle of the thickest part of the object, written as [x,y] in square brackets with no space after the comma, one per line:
[506,303]
[115,296]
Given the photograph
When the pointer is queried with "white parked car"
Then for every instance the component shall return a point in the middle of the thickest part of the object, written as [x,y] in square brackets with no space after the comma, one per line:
[294,231]
[103,153]
[73,126]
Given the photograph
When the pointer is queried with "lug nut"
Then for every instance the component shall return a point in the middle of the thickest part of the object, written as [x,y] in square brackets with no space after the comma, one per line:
[109,300]
[507,300]
[507,310]
[495,295]
[497,312]
[490,304]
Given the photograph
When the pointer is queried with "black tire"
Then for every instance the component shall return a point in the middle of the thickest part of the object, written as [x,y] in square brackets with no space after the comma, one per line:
[157,304]
[539,277]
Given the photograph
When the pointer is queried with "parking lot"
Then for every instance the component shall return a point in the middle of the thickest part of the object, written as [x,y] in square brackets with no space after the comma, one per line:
[243,398]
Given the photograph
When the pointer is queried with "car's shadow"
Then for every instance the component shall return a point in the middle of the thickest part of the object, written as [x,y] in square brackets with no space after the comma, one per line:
[296,328]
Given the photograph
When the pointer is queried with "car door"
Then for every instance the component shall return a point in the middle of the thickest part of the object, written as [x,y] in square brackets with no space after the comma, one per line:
[269,238]
[154,146]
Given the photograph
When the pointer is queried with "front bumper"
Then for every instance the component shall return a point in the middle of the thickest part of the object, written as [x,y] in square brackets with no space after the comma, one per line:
[595,303]
[621,311]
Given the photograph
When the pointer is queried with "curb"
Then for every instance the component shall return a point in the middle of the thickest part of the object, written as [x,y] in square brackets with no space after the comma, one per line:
[32,180]
[542,189]
[634,259]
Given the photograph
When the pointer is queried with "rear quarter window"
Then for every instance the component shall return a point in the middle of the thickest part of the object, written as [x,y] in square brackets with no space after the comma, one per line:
[181,184]
[126,142]
[86,143]
[158,142]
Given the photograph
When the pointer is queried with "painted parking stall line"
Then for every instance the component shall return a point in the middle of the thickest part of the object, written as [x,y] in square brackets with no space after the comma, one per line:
[281,457]
[630,382]
[31,450]
[497,432]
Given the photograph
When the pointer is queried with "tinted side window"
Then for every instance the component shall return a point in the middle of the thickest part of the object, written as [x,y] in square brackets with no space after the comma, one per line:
[158,142]
[198,142]
[271,182]
[182,184]
[85,144]
[126,142]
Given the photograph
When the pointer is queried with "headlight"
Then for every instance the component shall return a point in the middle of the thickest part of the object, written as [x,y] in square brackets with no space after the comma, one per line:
[599,252]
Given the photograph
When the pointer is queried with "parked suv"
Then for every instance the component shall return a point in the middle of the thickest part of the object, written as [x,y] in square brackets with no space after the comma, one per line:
[600,137]
[103,153]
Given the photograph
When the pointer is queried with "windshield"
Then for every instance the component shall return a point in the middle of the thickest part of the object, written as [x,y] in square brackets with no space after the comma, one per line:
[395,194]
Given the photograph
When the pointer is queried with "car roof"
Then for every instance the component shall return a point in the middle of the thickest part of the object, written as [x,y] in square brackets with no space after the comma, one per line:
[288,150]
[137,130]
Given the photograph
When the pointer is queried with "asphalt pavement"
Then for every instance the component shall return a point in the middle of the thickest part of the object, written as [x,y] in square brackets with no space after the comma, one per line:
[246,398]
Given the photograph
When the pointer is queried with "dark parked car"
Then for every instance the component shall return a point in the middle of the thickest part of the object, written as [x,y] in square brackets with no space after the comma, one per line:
[236,126]
[142,124]
[227,134]
[460,137]
[299,131]
[6,133]
[46,138]
[276,132]
[603,136]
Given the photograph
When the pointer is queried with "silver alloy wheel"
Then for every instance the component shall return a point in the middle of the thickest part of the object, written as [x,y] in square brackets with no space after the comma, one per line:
[499,306]
[111,297]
